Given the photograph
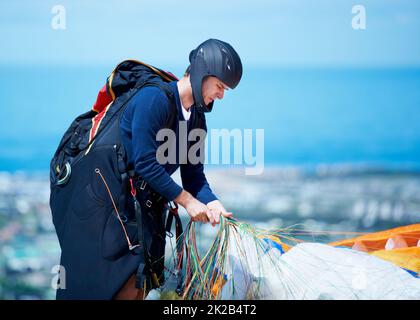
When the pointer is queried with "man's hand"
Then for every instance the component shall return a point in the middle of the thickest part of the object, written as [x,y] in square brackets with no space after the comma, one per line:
[197,210]
[217,209]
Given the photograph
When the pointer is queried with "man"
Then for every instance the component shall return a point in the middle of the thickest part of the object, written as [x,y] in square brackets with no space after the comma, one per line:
[214,67]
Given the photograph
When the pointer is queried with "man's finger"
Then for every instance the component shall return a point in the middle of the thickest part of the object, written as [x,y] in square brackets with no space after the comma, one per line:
[210,216]
[216,216]
[227,214]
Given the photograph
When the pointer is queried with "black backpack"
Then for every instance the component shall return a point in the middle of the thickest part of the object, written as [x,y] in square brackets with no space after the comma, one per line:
[90,186]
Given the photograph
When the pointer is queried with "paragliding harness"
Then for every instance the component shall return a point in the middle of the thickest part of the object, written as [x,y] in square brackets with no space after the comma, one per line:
[90,201]
[150,273]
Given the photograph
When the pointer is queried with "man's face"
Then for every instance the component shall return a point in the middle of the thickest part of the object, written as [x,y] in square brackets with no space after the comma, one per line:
[212,89]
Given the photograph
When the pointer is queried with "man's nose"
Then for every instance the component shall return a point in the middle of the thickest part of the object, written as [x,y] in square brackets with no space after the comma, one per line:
[221,94]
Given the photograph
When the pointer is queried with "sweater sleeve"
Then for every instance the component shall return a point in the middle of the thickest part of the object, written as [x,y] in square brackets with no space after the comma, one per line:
[195,182]
[193,177]
[151,111]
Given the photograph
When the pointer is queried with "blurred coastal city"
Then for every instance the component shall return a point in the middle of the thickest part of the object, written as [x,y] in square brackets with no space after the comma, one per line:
[327,198]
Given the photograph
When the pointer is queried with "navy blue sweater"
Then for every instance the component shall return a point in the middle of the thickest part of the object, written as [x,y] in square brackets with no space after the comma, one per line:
[146,113]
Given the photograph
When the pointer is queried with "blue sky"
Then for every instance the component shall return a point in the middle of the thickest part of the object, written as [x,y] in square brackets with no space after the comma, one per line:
[294,33]
[314,114]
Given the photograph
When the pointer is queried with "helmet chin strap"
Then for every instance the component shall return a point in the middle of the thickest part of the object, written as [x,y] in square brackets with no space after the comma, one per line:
[198,72]
[201,106]
[210,106]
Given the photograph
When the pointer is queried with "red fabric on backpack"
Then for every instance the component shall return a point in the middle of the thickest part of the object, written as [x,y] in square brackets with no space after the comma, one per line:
[103,99]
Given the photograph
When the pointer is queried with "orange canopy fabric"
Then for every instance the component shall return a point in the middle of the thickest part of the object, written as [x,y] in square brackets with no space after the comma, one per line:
[407,256]
[377,240]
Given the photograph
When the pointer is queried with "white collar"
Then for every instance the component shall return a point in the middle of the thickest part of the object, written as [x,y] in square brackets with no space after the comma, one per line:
[185,113]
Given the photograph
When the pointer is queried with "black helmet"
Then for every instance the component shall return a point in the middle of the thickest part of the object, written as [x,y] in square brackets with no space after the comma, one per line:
[213,58]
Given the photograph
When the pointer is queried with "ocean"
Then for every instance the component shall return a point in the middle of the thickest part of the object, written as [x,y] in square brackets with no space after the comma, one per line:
[309,116]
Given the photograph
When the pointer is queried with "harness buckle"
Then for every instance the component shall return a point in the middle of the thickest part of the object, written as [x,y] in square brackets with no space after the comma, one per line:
[123,218]
[149,203]
[143,185]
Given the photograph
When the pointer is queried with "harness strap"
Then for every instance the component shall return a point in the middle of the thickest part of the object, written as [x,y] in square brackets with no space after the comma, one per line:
[146,202]
[145,267]
[173,213]
[122,203]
